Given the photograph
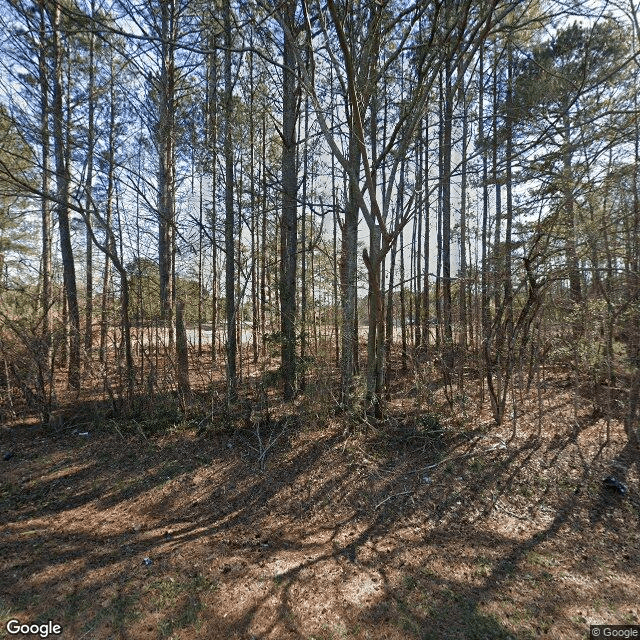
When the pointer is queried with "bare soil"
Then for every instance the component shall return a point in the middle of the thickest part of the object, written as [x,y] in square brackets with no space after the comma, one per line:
[302,522]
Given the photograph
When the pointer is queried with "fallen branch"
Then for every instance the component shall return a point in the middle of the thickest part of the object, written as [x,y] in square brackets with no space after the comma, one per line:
[470,454]
[395,495]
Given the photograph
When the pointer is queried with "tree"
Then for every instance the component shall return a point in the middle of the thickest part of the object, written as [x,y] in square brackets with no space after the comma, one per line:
[365,42]
[14,157]
[61,142]
[562,91]
[289,220]
[229,219]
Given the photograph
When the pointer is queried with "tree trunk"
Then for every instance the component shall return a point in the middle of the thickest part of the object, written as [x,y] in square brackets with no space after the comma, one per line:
[110,241]
[182,352]
[462,339]
[376,328]
[394,251]
[419,214]
[303,258]
[200,259]
[508,284]
[43,78]
[263,238]
[88,334]
[484,288]
[497,261]
[403,313]
[446,220]
[348,265]
[289,221]
[573,267]
[62,197]
[166,163]
[426,310]
[126,332]
[229,226]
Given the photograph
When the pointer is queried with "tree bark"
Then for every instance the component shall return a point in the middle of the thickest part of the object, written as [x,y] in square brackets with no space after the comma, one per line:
[446,219]
[166,162]
[348,262]
[62,198]
[43,79]
[229,226]
[289,221]
[182,352]
[88,332]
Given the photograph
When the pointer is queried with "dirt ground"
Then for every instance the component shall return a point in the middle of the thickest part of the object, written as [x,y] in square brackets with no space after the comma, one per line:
[288,525]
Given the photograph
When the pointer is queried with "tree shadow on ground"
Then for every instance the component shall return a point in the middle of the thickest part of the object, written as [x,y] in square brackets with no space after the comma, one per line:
[258,541]
[609,497]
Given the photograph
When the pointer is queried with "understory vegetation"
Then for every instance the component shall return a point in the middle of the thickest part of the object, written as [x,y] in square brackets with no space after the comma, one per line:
[319,320]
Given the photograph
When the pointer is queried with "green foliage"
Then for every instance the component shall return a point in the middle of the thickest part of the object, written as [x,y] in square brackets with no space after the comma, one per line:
[16,232]
[573,64]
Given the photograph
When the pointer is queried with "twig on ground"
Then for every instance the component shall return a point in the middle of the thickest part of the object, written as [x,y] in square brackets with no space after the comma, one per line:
[461,456]
[140,430]
[263,448]
[395,495]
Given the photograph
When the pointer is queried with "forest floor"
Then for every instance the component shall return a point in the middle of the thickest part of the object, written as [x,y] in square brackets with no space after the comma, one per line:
[311,524]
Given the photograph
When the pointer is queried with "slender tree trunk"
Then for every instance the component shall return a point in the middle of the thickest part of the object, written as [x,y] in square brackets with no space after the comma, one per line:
[497,261]
[303,258]
[441,125]
[463,228]
[263,237]
[418,262]
[334,210]
[254,217]
[64,342]
[394,251]
[126,332]
[109,242]
[289,221]
[485,311]
[426,313]
[229,228]
[212,139]
[403,311]
[200,259]
[372,262]
[633,288]
[508,284]
[62,197]
[390,308]
[446,219]
[166,163]
[43,78]
[182,352]
[414,289]
[336,276]
[88,335]
[349,280]
[239,172]
[573,267]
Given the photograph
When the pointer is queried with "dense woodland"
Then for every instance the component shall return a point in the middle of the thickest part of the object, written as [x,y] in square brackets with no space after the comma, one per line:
[319,319]
[225,199]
